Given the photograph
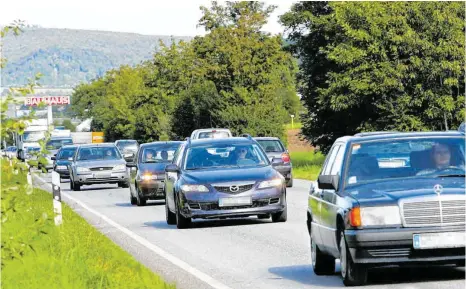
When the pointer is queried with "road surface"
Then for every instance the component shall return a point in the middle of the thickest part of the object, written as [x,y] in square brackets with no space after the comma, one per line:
[229,254]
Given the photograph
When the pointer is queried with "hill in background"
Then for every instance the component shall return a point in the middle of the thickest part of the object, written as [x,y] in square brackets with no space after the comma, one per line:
[67,57]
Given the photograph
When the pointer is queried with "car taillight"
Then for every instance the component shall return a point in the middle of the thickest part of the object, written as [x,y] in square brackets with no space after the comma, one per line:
[286,158]
[355,217]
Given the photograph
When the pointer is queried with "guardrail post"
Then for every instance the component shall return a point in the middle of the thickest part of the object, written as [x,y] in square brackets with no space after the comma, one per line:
[56,198]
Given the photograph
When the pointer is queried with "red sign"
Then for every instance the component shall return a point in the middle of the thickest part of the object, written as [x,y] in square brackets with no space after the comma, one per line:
[48,100]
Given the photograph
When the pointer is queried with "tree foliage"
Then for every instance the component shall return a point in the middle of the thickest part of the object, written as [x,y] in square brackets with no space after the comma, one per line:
[378,66]
[235,76]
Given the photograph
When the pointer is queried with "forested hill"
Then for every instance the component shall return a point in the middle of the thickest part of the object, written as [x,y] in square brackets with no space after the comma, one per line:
[67,57]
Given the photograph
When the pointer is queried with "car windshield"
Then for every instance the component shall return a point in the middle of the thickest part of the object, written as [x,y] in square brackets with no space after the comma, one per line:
[405,158]
[55,144]
[271,146]
[127,145]
[66,153]
[98,153]
[224,156]
[214,134]
[33,136]
[161,153]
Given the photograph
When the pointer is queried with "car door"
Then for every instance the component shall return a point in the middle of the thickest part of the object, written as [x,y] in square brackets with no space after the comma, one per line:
[133,171]
[329,208]
[171,178]
[315,200]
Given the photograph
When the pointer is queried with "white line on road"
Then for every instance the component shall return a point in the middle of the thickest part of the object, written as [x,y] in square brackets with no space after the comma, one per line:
[181,264]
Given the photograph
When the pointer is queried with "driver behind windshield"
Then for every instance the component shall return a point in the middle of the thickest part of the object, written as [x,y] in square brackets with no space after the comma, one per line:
[441,156]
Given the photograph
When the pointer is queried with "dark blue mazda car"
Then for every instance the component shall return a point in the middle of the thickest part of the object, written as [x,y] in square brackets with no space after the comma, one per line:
[216,178]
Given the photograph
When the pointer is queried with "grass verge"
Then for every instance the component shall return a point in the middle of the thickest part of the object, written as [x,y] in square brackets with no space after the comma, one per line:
[306,165]
[37,254]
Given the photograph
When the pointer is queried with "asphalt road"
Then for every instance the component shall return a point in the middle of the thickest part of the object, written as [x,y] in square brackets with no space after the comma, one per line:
[234,254]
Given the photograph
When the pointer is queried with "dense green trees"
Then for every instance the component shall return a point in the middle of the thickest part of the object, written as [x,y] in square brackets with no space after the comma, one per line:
[378,66]
[235,76]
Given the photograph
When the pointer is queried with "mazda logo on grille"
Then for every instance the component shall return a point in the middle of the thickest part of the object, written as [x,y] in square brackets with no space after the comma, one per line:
[234,189]
[438,189]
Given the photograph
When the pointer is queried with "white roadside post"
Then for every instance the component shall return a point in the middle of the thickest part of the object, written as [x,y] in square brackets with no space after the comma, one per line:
[56,198]
[292,119]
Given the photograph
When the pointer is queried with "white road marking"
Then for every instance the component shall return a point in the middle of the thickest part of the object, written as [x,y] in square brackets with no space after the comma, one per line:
[174,260]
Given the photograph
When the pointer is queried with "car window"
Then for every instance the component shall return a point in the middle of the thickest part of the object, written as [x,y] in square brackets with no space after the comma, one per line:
[271,146]
[98,153]
[336,167]
[158,153]
[66,153]
[405,158]
[55,144]
[127,145]
[330,160]
[225,155]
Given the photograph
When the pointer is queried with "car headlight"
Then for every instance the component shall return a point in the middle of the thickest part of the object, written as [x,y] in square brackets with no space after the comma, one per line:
[82,170]
[194,188]
[270,183]
[148,177]
[380,216]
[119,168]
[61,167]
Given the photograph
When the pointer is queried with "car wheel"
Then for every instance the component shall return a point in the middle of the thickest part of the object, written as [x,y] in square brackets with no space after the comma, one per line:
[169,216]
[322,264]
[71,185]
[281,216]
[123,185]
[140,200]
[76,187]
[266,216]
[181,221]
[352,274]
[289,183]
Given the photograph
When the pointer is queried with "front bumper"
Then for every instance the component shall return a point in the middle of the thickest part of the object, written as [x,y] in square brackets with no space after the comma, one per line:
[206,205]
[382,247]
[153,189]
[94,178]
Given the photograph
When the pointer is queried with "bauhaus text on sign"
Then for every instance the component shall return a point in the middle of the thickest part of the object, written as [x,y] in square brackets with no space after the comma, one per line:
[48,100]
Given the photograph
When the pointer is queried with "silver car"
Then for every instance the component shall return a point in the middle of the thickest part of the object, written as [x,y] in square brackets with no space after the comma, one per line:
[211,133]
[98,164]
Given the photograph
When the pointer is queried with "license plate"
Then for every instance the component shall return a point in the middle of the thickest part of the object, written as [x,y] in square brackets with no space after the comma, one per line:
[439,240]
[102,175]
[231,202]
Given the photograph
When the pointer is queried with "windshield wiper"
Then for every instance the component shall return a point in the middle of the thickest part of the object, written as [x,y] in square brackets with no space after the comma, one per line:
[452,176]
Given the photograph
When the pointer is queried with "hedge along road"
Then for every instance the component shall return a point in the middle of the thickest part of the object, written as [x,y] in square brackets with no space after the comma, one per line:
[236,254]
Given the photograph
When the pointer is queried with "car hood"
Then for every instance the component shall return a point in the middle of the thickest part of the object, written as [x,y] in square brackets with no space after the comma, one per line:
[230,175]
[62,162]
[389,192]
[155,168]
[100,163]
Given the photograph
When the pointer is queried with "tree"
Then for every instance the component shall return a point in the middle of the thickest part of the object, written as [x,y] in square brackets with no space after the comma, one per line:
[378,66]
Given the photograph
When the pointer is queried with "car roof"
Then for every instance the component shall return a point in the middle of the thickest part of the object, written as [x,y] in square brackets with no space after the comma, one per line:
[396,135]
[219,141]
[209,129]
[105,144]
[70,146]
[160,143]
[266,138]
[126,140]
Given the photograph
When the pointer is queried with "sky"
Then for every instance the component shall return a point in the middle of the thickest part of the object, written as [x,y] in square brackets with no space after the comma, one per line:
[168,17]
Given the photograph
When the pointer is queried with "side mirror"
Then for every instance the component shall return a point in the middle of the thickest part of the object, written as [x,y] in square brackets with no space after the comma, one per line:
[328,182]
[53,158]
[171,168]
[277,162]
[130,165]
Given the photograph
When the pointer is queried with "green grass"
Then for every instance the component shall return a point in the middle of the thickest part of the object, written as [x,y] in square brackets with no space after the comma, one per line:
[295,125]
[37,254]
[306,165]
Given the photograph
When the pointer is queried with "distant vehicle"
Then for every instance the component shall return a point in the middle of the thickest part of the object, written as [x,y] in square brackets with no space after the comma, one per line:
[128,148]
[274,148]
[52,146]
[147,172]
[98,164]
[63,159]
[34,132]
[32,153]
[11,152]
[211,133]
[372,207]
[221,178]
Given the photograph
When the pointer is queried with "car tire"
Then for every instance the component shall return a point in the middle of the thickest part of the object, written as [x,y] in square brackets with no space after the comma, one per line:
[123,185]
[280,216]
[262,217]
[352,274]
[289,183]
[322,264]
[140,200]
[181,221]
[76,187]
[132,199]
[71,185]
[169,216]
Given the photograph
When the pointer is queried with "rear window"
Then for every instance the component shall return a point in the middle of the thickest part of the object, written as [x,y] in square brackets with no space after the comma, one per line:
[271,146]
[127,145]
[58,143]
[216,134]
